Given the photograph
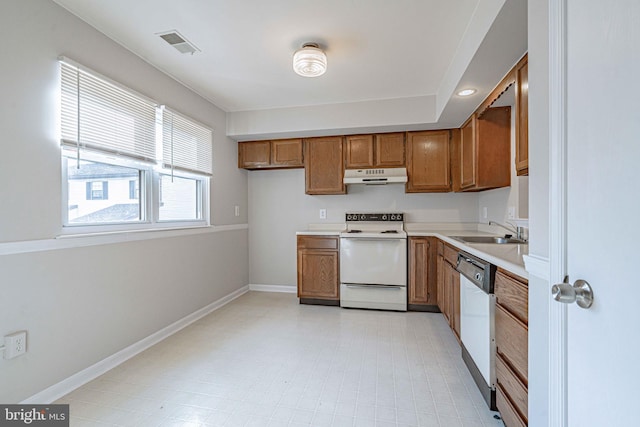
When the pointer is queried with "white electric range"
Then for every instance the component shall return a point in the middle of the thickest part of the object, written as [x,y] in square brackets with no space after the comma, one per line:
[373,262]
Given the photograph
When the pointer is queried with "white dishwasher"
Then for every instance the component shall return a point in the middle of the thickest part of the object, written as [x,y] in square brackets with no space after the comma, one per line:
[477,327]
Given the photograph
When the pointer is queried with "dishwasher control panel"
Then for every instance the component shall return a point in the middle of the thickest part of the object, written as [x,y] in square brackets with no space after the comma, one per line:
[479,272]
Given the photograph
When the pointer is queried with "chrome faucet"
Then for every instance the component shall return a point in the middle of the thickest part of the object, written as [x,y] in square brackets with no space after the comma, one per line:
[519,231]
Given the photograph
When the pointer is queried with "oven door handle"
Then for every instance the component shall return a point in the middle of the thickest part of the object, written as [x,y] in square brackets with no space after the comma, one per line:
[355,285]
[376,239]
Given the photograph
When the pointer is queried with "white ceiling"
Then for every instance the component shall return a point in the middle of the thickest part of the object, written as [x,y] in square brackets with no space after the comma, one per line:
[376,49]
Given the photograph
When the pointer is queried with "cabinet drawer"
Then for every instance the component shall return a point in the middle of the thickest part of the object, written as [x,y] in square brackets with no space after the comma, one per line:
[512,342]
[513,295]
[451,255]
[509,415]
[513,387]
[317,242]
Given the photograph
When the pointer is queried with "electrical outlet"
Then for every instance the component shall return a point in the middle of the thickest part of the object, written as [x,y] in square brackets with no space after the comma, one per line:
[15,344]
[485,212]
[511,214]
[323,214]
[236,210]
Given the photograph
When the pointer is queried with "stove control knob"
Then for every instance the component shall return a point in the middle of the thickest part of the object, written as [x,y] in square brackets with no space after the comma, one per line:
[393,217]
[362,217]
[349,217]
[384,217]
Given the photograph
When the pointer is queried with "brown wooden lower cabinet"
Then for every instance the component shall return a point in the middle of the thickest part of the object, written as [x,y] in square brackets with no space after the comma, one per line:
[448,286]
[508,413]
[512,335]
[423,291]
[455,303]
[318,270]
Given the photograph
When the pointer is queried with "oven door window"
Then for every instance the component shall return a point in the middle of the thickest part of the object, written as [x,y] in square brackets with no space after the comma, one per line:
[373,261]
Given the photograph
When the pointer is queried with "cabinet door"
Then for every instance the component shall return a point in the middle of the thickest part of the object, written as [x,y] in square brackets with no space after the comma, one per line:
[254,154]
[447,292]
[522,118]
[286,153]
[512,294]
[493,145]
[512,342]
[324,165]
[318,274]
[455,301]
[359,151]
[455,159]
[428,162]
[422,268]
[468,153]
[389,150]
[440,284]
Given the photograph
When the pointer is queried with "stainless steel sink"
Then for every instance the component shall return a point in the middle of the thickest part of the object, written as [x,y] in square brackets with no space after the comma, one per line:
[487,239]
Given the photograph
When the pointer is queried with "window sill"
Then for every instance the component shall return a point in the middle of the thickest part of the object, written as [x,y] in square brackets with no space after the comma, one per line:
[67,241]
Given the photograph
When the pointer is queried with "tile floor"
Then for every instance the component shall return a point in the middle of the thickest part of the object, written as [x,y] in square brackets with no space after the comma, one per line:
[265,360]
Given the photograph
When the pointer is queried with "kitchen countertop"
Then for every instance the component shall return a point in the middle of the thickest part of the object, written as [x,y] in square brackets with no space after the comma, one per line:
[506,256]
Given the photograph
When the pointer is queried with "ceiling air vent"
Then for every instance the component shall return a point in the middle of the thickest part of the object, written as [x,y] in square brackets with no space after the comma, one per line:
[178,41]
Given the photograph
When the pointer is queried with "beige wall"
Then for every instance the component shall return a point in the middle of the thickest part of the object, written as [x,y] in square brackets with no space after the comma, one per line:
[278,207]
[81,305]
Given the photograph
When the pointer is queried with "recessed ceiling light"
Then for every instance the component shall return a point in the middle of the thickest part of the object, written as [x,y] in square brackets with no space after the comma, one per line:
[466,92]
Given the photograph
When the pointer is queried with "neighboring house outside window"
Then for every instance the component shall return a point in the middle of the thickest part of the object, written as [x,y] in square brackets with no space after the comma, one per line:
[97,190]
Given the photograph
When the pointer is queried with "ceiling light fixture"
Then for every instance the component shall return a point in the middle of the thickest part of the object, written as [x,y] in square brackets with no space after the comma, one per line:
[466,92]
[310,61]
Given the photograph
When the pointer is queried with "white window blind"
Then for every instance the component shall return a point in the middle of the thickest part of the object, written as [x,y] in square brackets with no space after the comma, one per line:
[186,145]
[100,115]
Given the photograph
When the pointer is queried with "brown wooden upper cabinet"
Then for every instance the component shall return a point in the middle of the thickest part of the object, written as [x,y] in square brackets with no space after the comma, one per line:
[374,151]
[485,150]
[522,117]
[280,153]
[324,165]
[428,161]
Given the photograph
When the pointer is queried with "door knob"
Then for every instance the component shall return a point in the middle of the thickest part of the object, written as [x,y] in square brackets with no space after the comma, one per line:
[580,293]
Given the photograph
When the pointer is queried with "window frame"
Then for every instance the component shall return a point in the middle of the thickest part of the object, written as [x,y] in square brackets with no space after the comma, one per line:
[150,172]
[149,197]
[201,197]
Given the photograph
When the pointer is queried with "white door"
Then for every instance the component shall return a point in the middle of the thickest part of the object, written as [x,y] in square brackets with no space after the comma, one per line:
[603,210]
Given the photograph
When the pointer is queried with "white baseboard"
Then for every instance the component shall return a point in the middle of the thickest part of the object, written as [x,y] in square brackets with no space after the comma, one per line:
[56,391]
[274,288]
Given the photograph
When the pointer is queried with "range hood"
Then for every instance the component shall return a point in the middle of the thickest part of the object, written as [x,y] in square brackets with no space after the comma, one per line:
[375,176]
